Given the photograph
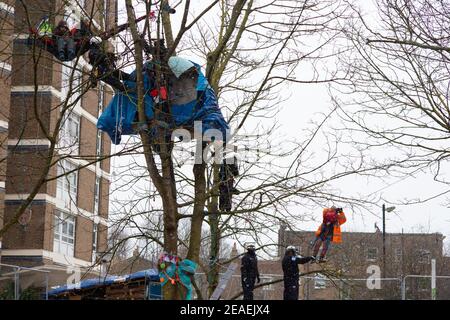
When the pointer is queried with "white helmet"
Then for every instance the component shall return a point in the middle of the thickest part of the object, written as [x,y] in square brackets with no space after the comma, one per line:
[291,248]
[179,65]
[249,246]
[95,40]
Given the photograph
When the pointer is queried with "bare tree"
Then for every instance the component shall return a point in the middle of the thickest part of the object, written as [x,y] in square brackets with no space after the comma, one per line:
[396,98]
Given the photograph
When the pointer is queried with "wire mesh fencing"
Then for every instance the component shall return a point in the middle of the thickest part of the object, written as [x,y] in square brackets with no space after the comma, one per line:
[22,283]
[319,287]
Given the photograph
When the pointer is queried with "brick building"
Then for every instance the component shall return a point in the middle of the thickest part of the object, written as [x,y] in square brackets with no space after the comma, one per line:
[406,254]
[66,223]
[361,253]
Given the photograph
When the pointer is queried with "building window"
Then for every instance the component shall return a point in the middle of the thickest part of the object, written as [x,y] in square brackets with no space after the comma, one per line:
[101,98]
[95,239]
[67,183]
[69,139]
[98,150]
[320,282]
[97,195]
[372,254]
[424,256]
[71,73]
[398,255]
[64,235]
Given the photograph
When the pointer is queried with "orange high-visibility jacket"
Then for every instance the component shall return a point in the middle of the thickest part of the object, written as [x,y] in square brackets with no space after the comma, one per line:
[337,234]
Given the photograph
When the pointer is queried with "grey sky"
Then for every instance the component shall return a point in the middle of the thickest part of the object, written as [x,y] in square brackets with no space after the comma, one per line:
[306,102]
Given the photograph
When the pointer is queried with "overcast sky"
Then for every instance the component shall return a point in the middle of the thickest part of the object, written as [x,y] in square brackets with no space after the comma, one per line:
[305,102]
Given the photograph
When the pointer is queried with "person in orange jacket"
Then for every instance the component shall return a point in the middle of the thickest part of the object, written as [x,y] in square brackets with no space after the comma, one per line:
[329,231]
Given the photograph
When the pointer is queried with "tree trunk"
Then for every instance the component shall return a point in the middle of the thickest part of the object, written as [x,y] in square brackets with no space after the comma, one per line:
[214,219]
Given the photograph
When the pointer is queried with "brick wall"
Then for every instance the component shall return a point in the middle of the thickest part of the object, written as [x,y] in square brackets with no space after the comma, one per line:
[83,238]
[104,199]
[23,174]
[86,184]
[31,237]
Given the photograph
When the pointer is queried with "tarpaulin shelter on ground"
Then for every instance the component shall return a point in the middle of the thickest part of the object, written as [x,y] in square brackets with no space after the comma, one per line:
[141,285]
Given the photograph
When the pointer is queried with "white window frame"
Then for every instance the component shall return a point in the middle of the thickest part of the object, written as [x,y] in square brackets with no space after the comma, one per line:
[94,240]
[101,97]
[368,258]
[77,78]
[64,233]
[69,137]
[67,185]
[98,146]
[97,192]
[320,282]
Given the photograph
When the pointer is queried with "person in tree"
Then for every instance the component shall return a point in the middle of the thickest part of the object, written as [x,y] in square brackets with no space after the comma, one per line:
[249,272]
[45,30]
[291,274]
[329,231]
[65,43]
[228,171]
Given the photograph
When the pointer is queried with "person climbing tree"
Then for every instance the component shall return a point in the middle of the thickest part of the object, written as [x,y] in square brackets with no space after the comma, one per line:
[65,43]
[291,274]
[226,187]
[104,67]
[329,231]
[249,272]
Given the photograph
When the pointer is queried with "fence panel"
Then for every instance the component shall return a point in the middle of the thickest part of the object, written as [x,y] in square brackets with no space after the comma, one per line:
[20,283]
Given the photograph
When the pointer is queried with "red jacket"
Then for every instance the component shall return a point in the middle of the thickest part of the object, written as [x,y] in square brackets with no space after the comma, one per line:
[337,234]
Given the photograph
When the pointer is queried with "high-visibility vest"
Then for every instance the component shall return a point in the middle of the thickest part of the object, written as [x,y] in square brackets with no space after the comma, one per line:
[45,30]
[337,234]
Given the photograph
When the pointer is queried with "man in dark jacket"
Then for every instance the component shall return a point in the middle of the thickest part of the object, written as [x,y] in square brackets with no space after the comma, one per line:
[228,171]
[291,273]
[64,40]
[249,272]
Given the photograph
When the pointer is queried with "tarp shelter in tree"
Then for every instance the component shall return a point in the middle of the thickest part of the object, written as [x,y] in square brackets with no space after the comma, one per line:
[190,99]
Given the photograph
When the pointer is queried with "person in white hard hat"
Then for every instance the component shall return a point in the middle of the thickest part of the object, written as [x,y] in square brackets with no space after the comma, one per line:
[249,272]
[291,274]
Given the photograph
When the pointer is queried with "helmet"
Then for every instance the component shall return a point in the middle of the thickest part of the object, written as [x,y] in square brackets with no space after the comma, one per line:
[179,65]
[291,248]
[96,40]
[250,246]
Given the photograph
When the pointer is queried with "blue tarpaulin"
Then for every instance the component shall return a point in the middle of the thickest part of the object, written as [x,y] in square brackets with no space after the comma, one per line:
[149,274]
[120,114]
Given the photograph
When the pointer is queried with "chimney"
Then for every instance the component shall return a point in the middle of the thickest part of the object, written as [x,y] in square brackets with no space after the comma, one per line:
[136,252]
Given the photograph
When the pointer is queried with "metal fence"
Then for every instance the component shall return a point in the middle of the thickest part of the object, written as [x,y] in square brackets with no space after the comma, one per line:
[22,283]
[318,287]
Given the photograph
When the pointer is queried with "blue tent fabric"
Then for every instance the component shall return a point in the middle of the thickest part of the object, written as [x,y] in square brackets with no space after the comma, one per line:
[149,274]
[119,115]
